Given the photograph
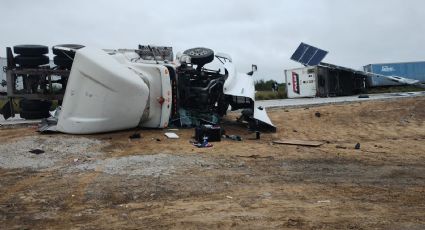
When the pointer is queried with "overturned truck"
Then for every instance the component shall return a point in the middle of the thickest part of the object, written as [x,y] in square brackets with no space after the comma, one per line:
[110,90]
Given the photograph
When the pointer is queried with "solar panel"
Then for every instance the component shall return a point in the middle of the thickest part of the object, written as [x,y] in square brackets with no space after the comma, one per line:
[308,55]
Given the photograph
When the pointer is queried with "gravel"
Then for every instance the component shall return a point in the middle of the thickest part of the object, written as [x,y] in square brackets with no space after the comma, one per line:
[57,151]
[144,165]
[72,154]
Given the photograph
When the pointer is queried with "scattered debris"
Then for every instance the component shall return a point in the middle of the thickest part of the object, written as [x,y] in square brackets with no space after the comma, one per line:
[340,147]
[213,133]
[171,135]
[266,194]
[364,96]
[75,160]
[357,146]
[317,114]
[135,136]
[292,222]
[255,156]
[203,145]
[233,137]
[298,142]
[323,201]
[37,151]
[257,135]
[229,197]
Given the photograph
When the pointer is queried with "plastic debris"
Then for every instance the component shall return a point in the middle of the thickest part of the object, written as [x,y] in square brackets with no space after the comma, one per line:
[357,146]
[204,143]
[171,135]
[233,137]
[37,151]
[323,201]
[135,136]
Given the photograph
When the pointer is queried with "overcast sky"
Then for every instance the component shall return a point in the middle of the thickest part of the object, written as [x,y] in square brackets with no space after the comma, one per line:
[355,32]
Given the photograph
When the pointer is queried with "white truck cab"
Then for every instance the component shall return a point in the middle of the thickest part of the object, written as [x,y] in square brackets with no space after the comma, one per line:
[110,90]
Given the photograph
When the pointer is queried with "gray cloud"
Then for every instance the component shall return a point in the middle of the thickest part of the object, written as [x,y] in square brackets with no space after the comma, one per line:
[356,32]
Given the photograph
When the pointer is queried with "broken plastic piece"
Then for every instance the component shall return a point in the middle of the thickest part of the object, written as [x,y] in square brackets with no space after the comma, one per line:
[298,142]
[233,137]
[171,135]
[135,136]
[36,151]
[357,146]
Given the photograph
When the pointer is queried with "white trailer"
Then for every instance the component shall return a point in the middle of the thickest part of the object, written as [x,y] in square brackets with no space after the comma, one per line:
[301,82]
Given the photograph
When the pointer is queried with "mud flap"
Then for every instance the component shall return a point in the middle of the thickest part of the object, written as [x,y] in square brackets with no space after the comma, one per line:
[263,121]
[257,119]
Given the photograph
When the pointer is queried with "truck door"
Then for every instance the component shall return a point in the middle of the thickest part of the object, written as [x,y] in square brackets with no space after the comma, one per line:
[301,83]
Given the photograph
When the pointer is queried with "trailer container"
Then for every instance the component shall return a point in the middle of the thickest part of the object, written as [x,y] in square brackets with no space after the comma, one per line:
[412,70]
[323,81]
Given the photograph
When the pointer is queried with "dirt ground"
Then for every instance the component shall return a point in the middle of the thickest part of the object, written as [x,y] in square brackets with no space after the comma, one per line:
[111,182]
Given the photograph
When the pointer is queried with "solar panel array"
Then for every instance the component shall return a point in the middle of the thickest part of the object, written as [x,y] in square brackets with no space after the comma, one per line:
[309,55]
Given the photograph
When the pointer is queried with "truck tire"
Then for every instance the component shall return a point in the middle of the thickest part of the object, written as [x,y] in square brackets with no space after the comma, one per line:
[200,55]
[31,61]
[31,115]
[66,53]
[34,105]
[65,62]
[31,50]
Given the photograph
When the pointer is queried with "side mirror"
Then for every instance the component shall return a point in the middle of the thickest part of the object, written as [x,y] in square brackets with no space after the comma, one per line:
[254,69]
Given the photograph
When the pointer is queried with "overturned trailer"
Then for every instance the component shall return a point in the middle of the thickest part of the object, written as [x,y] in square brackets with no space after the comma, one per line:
[323,80]
[110,90]
[319,79]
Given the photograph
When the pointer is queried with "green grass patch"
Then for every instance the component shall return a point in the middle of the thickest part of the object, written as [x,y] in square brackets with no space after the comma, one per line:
[270,95]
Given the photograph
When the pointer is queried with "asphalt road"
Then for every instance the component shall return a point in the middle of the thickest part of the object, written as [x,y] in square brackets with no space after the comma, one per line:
[299,102]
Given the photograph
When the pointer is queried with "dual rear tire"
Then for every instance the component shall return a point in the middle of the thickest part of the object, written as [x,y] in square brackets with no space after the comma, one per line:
[31,56]
[34,109]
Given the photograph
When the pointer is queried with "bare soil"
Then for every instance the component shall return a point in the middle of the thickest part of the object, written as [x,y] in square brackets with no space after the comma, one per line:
[108,181]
